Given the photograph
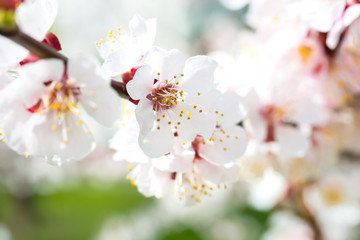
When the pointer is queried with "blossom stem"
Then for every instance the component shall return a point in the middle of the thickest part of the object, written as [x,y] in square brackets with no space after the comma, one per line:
[39,49]
[297,195]
[42,50]
[120,88]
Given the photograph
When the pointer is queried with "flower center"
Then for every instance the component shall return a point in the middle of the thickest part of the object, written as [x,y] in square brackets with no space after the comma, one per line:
[115,39]
[332,195]
[61,99]
[165,94]
[305,52]
[192,185]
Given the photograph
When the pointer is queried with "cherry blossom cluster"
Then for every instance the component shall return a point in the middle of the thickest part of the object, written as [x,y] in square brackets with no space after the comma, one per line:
[186,135]
[280,110]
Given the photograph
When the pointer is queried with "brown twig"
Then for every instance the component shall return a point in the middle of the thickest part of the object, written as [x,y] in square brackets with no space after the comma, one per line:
[37,48]
[297,197]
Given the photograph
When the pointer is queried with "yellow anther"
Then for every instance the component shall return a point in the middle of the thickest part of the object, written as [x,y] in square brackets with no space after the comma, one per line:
[130,167]
[58,86]
[55,106]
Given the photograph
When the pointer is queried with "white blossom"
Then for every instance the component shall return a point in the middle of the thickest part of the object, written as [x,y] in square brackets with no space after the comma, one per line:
[47,102]
[174,96]
[122,50]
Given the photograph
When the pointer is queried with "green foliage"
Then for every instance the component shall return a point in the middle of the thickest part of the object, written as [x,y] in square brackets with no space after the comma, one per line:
[182,234]
[74,212]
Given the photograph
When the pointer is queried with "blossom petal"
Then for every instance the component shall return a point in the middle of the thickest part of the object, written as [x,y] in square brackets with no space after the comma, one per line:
[307,111]
[50,143]
[143,32]
[158,141]
[150,181]
[350,15]
[101,103]
[177,163]
[226,145]
[321,15]
[140,86]
[145,115]
[10,53]
[229,111]
[292,140]
[198,123]
[120,61]
[34,134]
[209,171]
[36,17]
[258,124]
[83,69]
[167,63]
[42,71]
[198,74]
[205,100]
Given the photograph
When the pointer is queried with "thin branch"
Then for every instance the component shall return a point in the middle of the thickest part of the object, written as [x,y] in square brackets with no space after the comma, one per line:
[120,88]
[303,211]
[37,48]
